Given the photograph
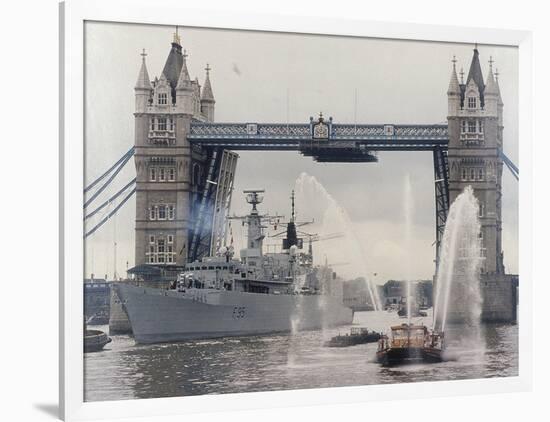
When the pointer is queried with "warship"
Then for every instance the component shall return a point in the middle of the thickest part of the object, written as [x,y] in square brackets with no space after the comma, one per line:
[260,293]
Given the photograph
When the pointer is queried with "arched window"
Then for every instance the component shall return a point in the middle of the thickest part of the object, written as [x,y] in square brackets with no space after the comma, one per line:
[162,212]
[472,174]
[480,174]
[464,174]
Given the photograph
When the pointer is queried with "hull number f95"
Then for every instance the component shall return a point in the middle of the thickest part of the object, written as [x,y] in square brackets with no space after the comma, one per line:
[239,312]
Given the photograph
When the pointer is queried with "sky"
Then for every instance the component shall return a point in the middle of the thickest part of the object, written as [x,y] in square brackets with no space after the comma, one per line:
[281,77]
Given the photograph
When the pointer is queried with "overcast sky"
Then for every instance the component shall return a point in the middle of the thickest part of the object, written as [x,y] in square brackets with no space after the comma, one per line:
[271,77]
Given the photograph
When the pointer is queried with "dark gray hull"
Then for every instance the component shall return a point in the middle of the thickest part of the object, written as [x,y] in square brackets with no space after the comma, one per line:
[158,316]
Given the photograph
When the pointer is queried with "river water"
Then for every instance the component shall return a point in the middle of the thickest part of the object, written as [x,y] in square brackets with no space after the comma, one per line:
[124,370]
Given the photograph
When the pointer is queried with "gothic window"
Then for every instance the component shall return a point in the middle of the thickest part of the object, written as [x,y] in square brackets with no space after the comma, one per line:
[472,126]
[171,212]
[481,210]
[163,98]
[161,123]
[151,239]
[480,174]
[480,123]
[171,174]
[152,174]
[162,212]
[160,251]
[472,102]
[152,123]
[171,124]
[152,215]
[169,254]
[472,174]
[162,174]
[170,238]
[464,174]
[463,126]
[160,246]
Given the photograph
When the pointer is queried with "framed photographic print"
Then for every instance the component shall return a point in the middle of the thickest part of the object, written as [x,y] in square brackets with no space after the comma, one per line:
[262,212]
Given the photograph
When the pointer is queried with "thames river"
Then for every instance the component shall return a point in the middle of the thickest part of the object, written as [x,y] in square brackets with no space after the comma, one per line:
[124,370]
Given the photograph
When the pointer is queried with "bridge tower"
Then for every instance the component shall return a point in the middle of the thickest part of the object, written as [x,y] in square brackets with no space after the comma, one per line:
[169,172]
[474,154]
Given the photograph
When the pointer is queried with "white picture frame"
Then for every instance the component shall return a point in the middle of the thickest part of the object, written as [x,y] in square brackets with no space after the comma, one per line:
[73,15]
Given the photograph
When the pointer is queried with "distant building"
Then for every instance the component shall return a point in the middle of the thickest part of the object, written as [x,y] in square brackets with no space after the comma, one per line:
[394,292]
[96,296]
[356,295]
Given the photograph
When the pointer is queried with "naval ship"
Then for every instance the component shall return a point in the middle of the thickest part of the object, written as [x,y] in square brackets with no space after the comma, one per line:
[260,293]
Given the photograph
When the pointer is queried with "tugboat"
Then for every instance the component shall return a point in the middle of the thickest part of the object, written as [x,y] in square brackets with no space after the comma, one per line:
[410,343]
[95,340]
[358,335]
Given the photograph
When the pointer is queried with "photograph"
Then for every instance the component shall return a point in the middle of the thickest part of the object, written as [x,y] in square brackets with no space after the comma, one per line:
[270,211]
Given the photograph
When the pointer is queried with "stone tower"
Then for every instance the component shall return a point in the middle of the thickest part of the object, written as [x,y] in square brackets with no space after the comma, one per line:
[475,142]
[168,171]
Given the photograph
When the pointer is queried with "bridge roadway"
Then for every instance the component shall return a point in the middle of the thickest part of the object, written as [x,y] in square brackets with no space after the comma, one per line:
[297,137]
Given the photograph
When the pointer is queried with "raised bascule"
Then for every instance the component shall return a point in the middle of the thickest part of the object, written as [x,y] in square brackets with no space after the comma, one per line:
[185,166]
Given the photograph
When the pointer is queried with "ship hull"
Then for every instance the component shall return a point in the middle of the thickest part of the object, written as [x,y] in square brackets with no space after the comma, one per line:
[398,356]
[160,316]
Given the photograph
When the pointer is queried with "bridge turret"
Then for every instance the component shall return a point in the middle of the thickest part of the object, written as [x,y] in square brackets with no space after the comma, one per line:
[143,88]
[207,99]
[184,90]
[454,93]
[500,104]
[491,93]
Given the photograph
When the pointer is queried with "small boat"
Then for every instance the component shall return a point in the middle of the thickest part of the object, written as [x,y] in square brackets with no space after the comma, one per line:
[358,335]
[410,343]
[415,313]
[95,340]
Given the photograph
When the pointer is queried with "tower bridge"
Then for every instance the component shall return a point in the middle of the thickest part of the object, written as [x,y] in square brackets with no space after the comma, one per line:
[185,161]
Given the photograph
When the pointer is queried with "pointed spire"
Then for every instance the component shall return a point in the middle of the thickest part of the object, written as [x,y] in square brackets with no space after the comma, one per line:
[172,66]
[491,86]
[207,93]
[143,81]
[475,73]
[461,76]
[498,87]
[177,39]
[184,81]
[454,87]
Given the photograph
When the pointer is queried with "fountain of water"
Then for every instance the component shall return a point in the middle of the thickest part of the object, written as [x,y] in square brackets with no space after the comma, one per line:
[334,218]
[408,208]
[459,267]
